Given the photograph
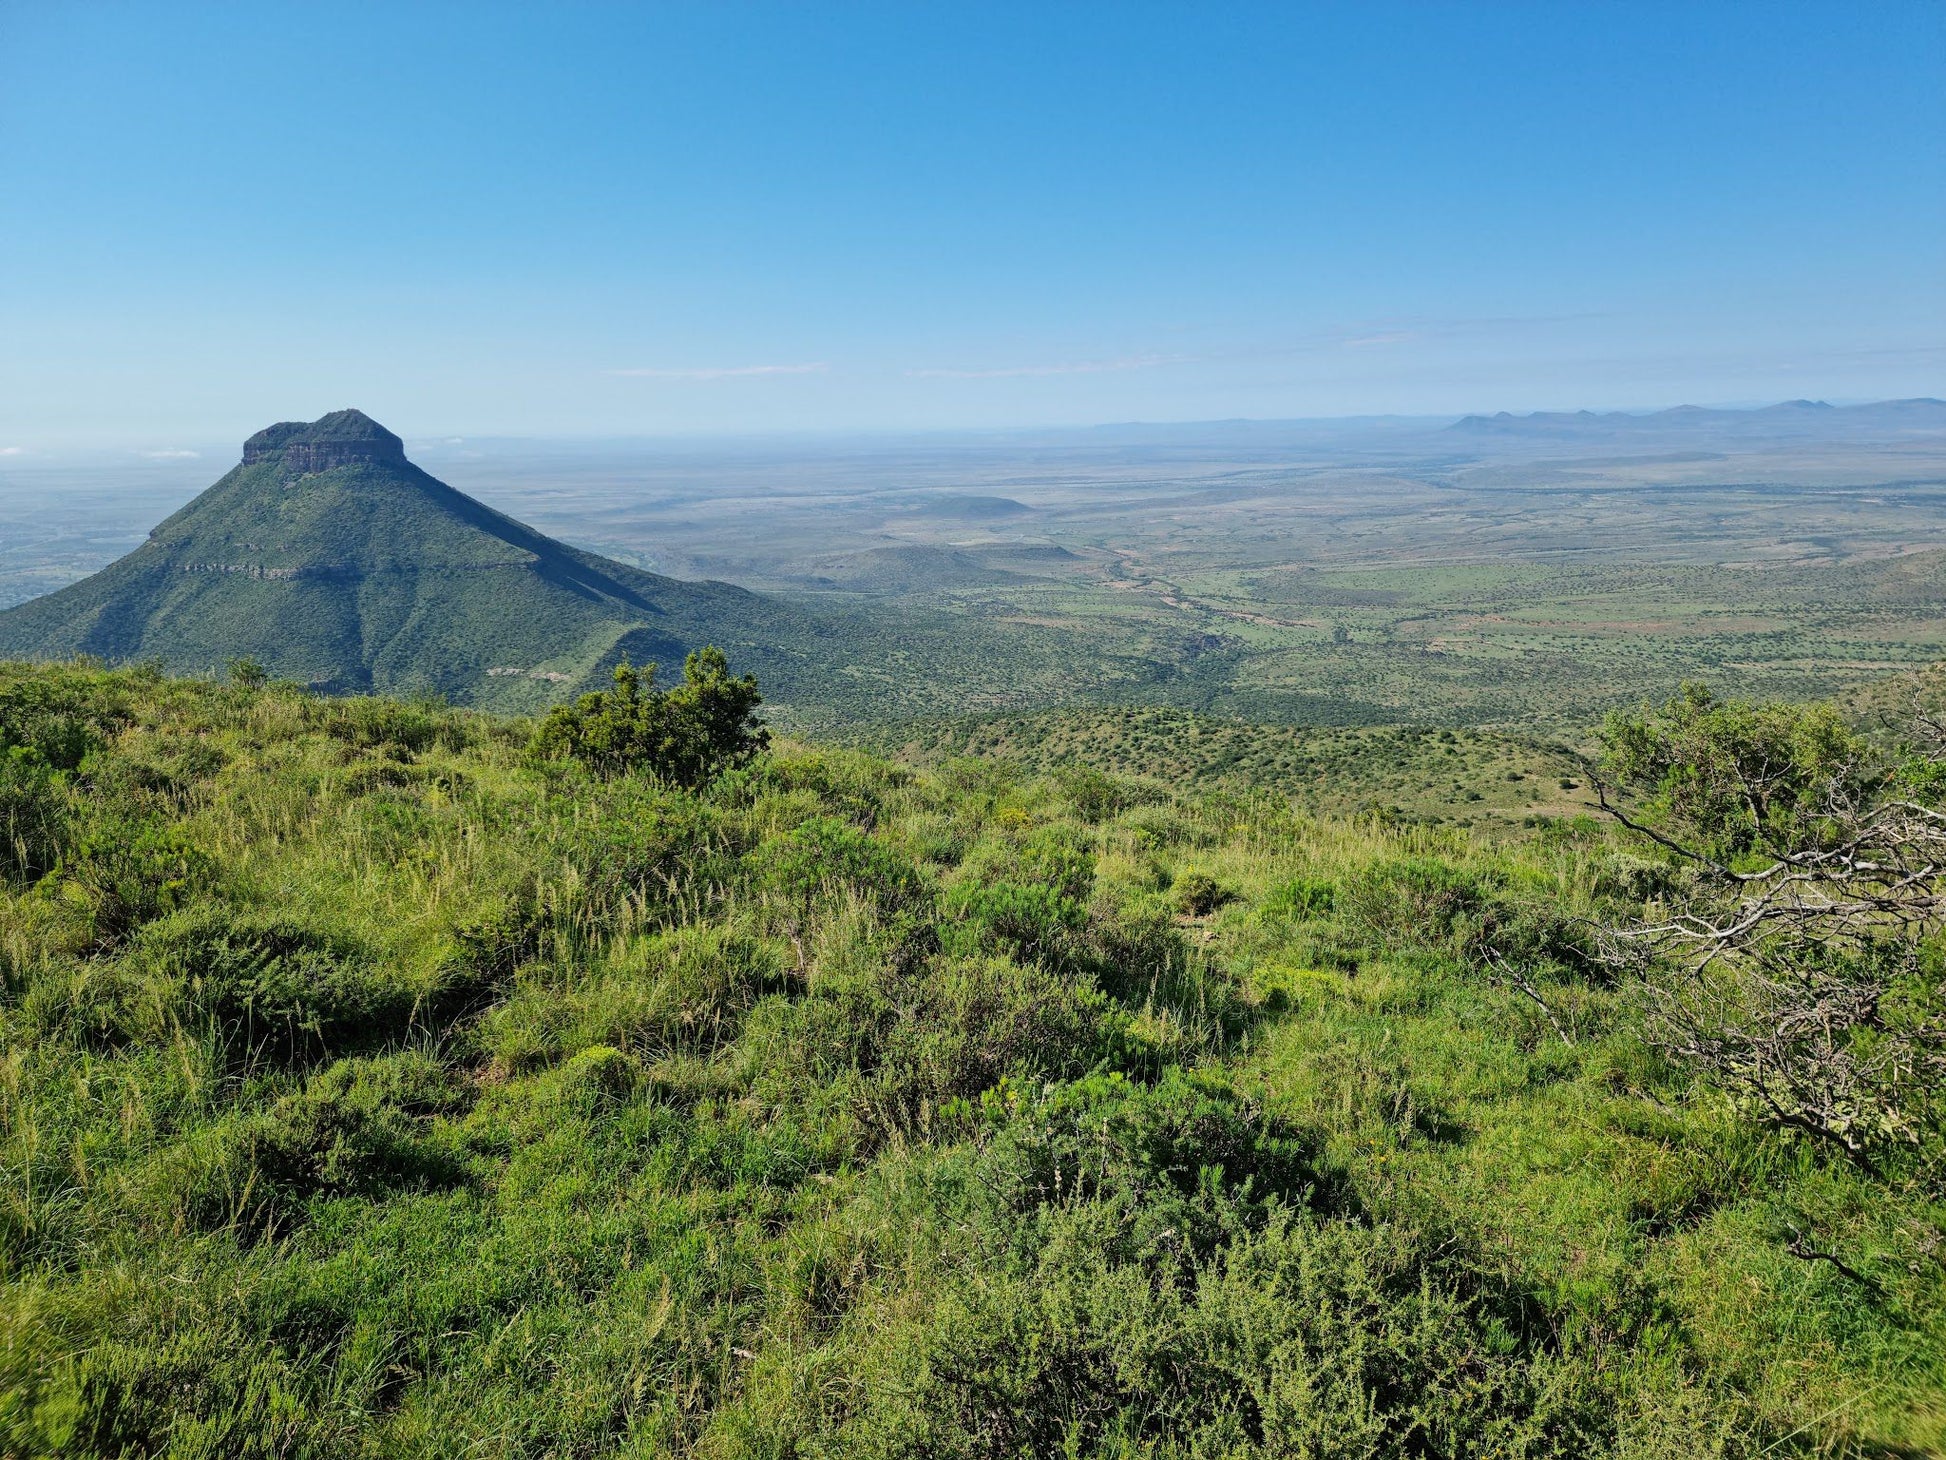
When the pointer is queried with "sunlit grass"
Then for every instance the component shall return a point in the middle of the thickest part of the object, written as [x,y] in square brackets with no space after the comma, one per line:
[589,1131]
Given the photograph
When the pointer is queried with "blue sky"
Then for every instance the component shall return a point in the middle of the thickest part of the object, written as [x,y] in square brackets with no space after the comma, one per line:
[588,219]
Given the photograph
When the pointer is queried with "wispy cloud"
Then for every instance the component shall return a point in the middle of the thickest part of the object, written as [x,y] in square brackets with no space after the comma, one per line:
[167,455]
[1390,337]
[720,372]
[13,451]
[1075,367]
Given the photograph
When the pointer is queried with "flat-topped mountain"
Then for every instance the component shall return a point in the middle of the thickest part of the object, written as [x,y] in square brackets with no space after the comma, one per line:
[332,559]
[343,438]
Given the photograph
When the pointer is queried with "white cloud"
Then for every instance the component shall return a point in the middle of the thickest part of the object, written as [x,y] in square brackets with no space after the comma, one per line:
[170,455]
[1077,367]
[12,451]
[721,372]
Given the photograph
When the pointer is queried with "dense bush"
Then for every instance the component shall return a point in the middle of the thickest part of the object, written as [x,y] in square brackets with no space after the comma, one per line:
[1799,964]
[1197,894]
[268,987]
[683,735]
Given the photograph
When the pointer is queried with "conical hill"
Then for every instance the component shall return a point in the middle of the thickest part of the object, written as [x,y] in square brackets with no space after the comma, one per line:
[331,559]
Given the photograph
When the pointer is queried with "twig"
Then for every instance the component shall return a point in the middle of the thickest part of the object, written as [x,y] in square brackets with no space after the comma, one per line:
[1518,981]
[1799,1247]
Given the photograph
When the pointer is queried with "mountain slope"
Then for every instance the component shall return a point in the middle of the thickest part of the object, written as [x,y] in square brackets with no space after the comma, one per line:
[332,559]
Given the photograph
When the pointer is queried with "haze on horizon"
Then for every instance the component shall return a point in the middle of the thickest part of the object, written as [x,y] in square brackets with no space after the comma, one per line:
[610,220]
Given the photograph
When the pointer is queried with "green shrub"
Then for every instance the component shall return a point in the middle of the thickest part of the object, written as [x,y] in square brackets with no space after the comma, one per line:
[974,1022]
[1197,894]
[641,842]
[1735,776]
[1299,900]
[369,723]
[849,786]
[133,870]
[686,990]
[350,1130]
[272,988]
[1095,797]
[1412,900]
[824,856]
[1164,826]
[1029,921]
[60,719]
[1305,1338]
[33,815]
[684,735]
[1161,1152]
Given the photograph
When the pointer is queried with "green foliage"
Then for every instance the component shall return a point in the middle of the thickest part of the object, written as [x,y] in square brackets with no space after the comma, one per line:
[1300,898]
[33,814]
[1409,900]
[411,1097]
[1738,776]
[1197,894]
[1799,968]
[130,870]
[268,987]
[684,735]
[1030,920]
[825,857]
[246,673]
[685,991]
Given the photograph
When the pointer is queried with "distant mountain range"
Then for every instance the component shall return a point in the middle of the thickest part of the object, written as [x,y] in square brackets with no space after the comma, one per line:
[331,559]
[1796,419]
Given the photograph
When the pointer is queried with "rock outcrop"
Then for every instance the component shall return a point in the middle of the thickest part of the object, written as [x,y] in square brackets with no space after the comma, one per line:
[343,438]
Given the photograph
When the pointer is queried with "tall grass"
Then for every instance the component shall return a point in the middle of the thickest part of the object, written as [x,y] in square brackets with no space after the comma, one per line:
[365,1089]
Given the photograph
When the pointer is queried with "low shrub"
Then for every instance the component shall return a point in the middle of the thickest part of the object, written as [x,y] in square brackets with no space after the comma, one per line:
[134,869]
[34,823]
[1031,921]
[271,988]
[1197,894]
[824,857]
[1412,900]
[1299,900]
[352,1129]
[683,991]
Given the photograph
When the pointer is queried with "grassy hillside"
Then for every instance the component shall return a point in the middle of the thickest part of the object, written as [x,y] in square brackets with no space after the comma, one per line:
[367,1088]
[1470,778]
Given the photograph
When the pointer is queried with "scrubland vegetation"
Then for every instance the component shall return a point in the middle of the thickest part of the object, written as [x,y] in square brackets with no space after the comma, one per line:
[1482,779]
[378,1078]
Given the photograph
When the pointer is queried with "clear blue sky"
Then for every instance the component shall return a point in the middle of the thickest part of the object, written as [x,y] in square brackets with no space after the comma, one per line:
[580,218]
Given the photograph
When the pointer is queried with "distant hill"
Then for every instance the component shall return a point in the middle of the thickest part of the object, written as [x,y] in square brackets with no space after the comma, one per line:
[333,560]
[974,508]
[1796,419]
